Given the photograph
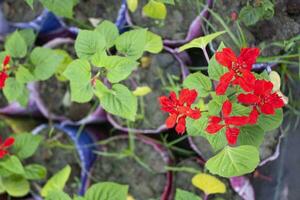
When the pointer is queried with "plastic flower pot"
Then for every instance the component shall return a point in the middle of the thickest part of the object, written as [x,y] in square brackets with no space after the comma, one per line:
[183,180]
[148,182]
[66,146]
[155,72]
[58,105]
[184,20]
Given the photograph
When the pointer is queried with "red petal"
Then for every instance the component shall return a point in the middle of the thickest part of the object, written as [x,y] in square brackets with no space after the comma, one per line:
[3,153]
[226,57]
[8,142]
[237,120]
[246,82]
[213,128]
[215,119]
[249,56]
[3,77]
[277,101]
[226,108]
[180,128]
[253,116]
[263,87]
[171,121]
[195,114]
[224,83]
[187,96]
[166,104]
[267,109]
[232,135]
[248,98]
[6,60]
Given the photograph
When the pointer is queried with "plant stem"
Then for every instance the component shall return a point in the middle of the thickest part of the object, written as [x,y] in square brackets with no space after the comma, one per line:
[205,197]
[206,55]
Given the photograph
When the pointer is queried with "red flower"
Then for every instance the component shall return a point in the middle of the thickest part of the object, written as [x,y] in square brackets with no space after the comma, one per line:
[6,61]
[3,74]
[179,108]
[239,68]
[5,145]
[262,98]
[216,123]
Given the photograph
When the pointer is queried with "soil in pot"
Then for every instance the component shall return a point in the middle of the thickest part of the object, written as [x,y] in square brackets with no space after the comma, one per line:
[55,152]
[19,11]
[103,9]
[156,73]
[178,19]
[183,180]
[143,184]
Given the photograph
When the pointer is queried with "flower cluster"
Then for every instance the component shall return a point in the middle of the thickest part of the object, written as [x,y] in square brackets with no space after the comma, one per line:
[4,145]
[3,72]
[256,94]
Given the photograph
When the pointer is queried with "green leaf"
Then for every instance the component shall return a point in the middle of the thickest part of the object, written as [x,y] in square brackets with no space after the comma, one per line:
[199,82]
[132,43]
[58,195]
[57,181]
[110,32]
[23,75]
[249,15]
[154,43]
[81,92]
[13,89]
[215,70]
[270,122]
[26,144]
[45,61]
[201,42]
[24,97]
[35,172]
[251,135]
[167,1]
[119,101]
[88,43]
[67,59]
[13,165]
[155,10]
[28,36]
[215,105]
[185,195]
[63,8]
[240,110]
[107,191]
[16,186]
[132,5]
[234,161]
[16,46]
[118,68]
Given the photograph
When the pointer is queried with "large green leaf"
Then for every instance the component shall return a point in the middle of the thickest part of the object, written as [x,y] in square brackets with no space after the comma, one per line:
[62,8]
[16,186]
[270,122]
[251,135]
[88,43]
[35,172]
[25,144]
[16,45]
[45,61]
[201,42]
[13,89]
[57,181]
[132,43]
[81,92]
[13,165]
[234,161]
[110,32]
[215,70]
[154,43]
[185,195]
[58,195]
[107,191]
[155,10]
[119,101]
[199,82]
[23,75]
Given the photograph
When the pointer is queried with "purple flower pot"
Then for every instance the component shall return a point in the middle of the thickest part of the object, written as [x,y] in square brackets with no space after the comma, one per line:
[243,187]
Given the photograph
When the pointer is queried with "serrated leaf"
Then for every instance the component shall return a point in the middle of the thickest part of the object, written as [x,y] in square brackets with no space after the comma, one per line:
[110,32]
[132,43]
[16,186]
[25,144]
[234,161]
[63,8]
[201,42]
[107,191]
[57,181]
[199,82]
[88,43]
[208,184]
[16,46]
[215,70]
[154,43]
[155,10]
[185,195]
[35,172]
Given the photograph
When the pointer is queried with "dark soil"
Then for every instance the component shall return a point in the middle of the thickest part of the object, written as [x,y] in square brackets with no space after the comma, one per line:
[177,22]
[19,11]
[3,101]
[143,184]
[154,74]
[183,180]
[56,96]
[104,9]
[55,152]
